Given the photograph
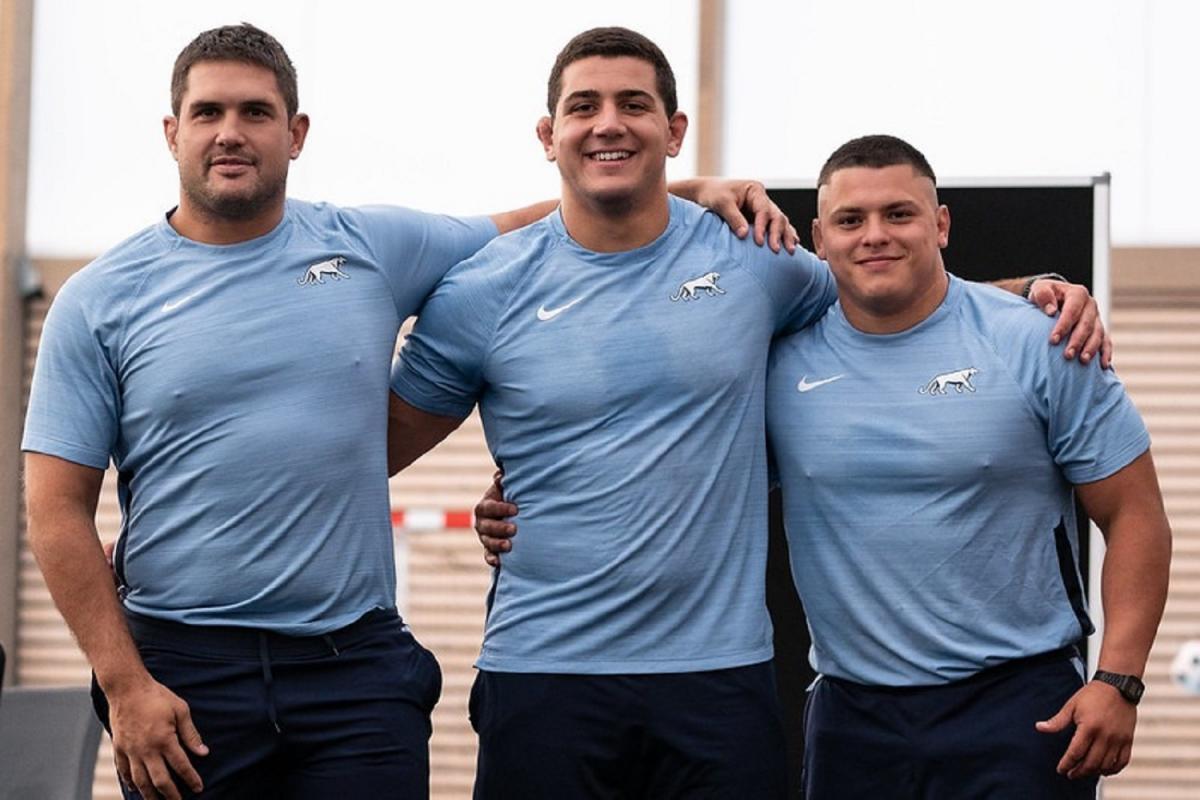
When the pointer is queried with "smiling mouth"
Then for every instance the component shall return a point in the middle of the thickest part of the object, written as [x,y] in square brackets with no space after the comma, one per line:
[877,261]
[611,155]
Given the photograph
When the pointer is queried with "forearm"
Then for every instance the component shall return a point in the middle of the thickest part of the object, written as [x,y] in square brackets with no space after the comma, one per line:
[1013,285]
[412,433]
[72,561]
[1133,589]
[511,220]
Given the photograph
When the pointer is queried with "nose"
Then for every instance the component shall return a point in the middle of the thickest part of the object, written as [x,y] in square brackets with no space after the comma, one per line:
[229,134]
[608,121]
[875,231]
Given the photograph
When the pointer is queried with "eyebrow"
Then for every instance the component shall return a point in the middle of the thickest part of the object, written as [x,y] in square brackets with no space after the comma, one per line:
[888,207]
[624,94]
[262,102]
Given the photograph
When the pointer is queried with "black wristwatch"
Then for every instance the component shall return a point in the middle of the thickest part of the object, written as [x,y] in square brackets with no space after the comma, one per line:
[1130,686]
[1044,276]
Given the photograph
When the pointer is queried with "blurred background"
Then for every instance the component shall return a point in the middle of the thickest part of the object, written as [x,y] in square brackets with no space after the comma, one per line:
[434,106]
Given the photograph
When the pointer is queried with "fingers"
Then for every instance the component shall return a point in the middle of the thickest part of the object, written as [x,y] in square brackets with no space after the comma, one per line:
[1081,334]
[1056,723]
[791,239]
[730,212]
[1045,295]
[124,774]
[1106,351]
[141,781]
[1077,750]
[190,737]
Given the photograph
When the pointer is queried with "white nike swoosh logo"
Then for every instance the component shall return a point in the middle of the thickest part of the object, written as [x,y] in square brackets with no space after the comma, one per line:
[171,305]
[805,386]
[547,314]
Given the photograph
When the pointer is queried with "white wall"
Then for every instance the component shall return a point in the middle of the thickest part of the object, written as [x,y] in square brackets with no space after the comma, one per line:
[1015,88]
[433,105]
[423,104]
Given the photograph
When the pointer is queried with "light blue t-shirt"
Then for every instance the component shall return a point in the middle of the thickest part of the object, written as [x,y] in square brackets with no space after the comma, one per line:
[622,394]
[241,392]
[927,486]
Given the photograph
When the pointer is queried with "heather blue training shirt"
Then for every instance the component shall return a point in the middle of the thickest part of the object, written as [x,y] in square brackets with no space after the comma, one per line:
[927,486]
[241,391]
[623,395]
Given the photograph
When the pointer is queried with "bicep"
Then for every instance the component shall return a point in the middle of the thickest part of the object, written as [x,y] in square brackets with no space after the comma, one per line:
[1131,492]
[55,486]
[413,432]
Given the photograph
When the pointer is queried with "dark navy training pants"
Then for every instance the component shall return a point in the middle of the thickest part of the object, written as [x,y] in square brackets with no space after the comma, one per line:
[973,738]
[339,716]
[716,734]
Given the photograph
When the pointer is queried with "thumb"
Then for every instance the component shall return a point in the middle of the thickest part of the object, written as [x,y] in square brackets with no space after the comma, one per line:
[1058,722]
[188,733]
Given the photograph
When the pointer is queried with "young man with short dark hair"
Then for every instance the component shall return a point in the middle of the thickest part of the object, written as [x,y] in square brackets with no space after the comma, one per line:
[929,449]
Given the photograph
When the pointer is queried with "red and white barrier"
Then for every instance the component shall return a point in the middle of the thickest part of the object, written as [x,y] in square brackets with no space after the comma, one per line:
[431,519]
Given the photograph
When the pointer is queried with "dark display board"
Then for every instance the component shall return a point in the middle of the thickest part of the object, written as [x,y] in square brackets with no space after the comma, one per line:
[1002,230]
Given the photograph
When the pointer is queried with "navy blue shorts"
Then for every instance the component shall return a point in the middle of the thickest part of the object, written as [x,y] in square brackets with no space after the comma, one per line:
[342,715]
[973,738]
[716,734]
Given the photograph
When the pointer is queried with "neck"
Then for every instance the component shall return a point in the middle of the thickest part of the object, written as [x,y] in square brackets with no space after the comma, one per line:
[880,318]
[202,226]
[618,226]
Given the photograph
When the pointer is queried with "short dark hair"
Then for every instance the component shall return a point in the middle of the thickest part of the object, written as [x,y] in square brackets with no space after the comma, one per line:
[244,43]
[611,43]
[876,151]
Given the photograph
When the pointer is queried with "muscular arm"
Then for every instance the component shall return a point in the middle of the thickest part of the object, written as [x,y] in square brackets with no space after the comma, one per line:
[412,432]
[1128,509]
[511,220]
[148,721]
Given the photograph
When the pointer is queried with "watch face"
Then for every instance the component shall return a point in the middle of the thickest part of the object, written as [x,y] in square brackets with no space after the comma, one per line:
[1130,686]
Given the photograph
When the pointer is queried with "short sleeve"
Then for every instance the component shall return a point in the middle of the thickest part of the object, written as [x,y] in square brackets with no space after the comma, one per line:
[440,367]
[74,402]
[1093,430]
[800,285]
[414,249]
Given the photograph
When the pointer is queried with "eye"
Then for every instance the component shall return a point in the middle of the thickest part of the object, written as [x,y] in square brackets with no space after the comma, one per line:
[900,214]
[581,108]
[847,221]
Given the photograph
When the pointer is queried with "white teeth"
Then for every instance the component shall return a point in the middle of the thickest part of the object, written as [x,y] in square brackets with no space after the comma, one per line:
[616,155]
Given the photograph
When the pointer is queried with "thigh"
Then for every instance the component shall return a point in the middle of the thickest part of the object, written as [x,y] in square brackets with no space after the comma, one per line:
[225,699]
[547,737]
[986,743]
[714,734]
[856,745]
[357,721]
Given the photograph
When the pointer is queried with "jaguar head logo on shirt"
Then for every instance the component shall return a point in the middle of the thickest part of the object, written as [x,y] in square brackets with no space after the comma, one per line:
[330,268]
[690,290]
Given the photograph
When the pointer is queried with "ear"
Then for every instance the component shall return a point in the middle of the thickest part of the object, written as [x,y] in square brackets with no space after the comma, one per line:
[818,242]
[298,128]
[545,134]
[170,130]
[943,226]
[677,125]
